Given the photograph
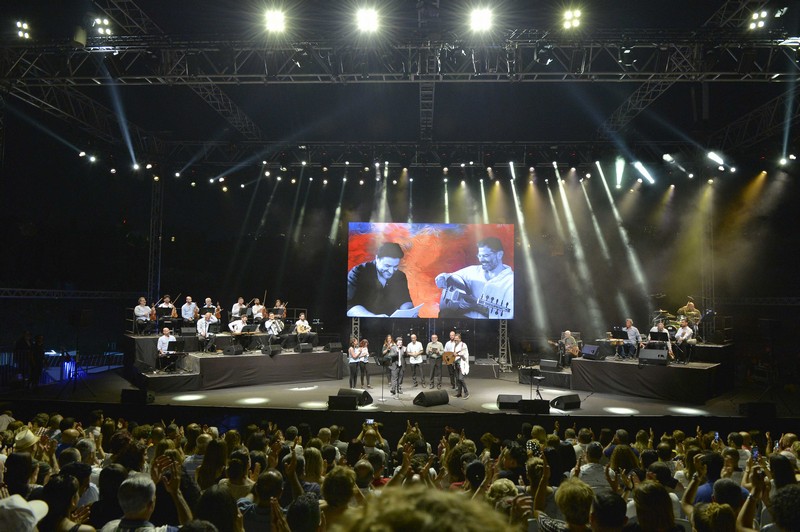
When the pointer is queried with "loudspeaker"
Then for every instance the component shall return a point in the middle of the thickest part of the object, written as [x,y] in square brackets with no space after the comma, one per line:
[546,364]
[758,410]
[188,331]
[233,349]
[342,402]
[271,350]
[508,401]
[656,357]
[533,406]
[591,352]
[432,398]
[136,397]
[362,396]
[333,346]
[566,402]
[304,348]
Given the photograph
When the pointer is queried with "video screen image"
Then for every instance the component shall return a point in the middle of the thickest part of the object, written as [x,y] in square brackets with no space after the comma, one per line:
[402,270]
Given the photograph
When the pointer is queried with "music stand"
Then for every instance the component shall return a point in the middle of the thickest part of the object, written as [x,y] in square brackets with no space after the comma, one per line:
[538,380]
[380,362]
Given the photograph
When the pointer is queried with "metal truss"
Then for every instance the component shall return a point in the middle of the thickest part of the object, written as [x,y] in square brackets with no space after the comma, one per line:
[33,293]
[759,301]
[523,56]
[133,21]
[502,348]
[355,329]
[681,60]
[760,123]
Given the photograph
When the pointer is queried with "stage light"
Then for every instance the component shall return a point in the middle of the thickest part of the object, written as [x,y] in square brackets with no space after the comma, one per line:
[710,181]
[188,397]
[279,178]
[366,168]
[531,169]
[149,166]
[588,175]
[445,180]
[347,163]
[463,183]
[471,163]
[224,189]
[572,19]
[324,181]
[241,186]
[642,170]
[619,166]
[463,165]
[360,181]
[410,179]
[324,168]
[222,179]
[672,186]
[721,168]
[302,163]
[377,164]
[555,165]
[264,162]
[92,158]
[275,21]
[367,20]
[113,170]
[716,158]
[193,183]
[294,180]
[792,157]
[344,180]
[82,154]
[103,26]
[156,178]
[691,176]
[783,161]
[136,166]
[668,158]
[266,174]
[758,20]
[211,180]
[445,169]
[23,30]
[480,19]
[394,181]
[733,169]
[177,174]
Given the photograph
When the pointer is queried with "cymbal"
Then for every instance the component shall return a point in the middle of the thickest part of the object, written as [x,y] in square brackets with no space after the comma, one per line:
[670,315]
[662,311]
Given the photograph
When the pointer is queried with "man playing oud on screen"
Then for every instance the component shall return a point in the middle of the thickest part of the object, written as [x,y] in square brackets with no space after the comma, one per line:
[484,290]
[378,287]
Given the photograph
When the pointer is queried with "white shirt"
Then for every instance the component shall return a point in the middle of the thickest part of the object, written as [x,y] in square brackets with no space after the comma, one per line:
[163,343]
[273,326]
[401,353]
[414,351]
[187,310]
[237,308]
[655,329]
[302,325]
[683,334]
[497,291]
[236,326]
[462,357]
[257,310]
[202,325]
[142,312]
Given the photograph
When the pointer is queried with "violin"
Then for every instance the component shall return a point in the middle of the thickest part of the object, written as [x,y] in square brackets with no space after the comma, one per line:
[218,312]
[174,308]
[153,315]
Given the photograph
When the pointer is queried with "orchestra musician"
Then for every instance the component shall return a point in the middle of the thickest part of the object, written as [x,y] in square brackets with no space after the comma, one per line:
[204,334]
[571,348]
[189,311]
[141,317]
[163,341]
[629,347]
[258,311]
[659,328]
[690,312]
[363,359]
[208,306]
[451,370]
[239,309]
[236,327]
[392,356]
[434,350]
[280,308]
[167,317]
[273,327]
[462,367]
[682,337]
[414,352]
[303,330]
[484,290]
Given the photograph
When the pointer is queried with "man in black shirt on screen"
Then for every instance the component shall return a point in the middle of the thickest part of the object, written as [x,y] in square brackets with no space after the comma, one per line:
[378,287]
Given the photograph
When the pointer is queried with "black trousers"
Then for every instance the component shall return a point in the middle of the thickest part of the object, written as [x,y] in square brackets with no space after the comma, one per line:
[436,363]
[451,369]
[353,366]
[461,382]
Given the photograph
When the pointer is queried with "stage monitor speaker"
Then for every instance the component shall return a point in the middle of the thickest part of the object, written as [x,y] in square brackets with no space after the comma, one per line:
[591,352]
[136,397]
[546,364]
[333,347]
[508,401]
[534,406]
[234,349]
[432,398]
[656,357]
[362,396]
[758,410]
[566,402]
[304,348]
[342,402]
[271,350]
[188,331]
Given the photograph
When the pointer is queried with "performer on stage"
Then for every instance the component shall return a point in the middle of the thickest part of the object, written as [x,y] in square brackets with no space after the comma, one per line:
[571,349]
[353,357]
[163,342]
[303,330]
[280,309]
[236,327]
[462,367]
[690,312]
[363,360]
[402,360]
[208,306]
[659,328]
[378,287]
[165,317]
[166,302]
[204,335]
[239,309]
[141,316]
[479,291]
[414,352]
[629,347]
[682,337]
[451,369]
[434,350]
[257,311]
[273,327]
[392,356]
[189,311]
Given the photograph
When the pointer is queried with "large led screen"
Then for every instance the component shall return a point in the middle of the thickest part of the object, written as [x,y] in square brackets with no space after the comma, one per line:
[430,270]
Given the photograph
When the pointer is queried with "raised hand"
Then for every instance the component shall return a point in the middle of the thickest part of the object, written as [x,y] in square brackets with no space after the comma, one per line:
[80,515]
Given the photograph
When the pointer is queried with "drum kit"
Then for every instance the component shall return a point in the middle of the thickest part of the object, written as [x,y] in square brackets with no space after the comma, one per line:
[671,322]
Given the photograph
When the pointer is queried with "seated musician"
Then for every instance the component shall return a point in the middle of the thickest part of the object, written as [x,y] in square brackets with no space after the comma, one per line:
[257,311]
[163,341]
[273,327]
[571,348]
[629,348]
[682,337]
[303,330]
[141,317]
[280,309]
[659,344]
[689,312]
[165,310]
[239,309]
[189,311]
[204,334]
[208,306]
[237,327]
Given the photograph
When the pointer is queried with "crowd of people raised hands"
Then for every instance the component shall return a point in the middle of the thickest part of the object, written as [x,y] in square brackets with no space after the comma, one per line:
[112,474]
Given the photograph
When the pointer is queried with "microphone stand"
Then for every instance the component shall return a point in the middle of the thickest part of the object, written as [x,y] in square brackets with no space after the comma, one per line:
[380,361]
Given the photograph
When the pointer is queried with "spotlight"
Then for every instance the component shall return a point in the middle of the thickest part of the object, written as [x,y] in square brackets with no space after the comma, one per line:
[758,20]
[716,158]
[294,180]
[177,174]
[23,30]
[366,168]
[721,168]
[136,166]
[194,183]
[572,19]
[275,21]
[103,26]
[445,169]
[324,181]
[377,164]
[82,154]
[394,181]
[367,20]
[92,158]
[279,178]
[710,181]
[445,180]
[588,175]
[668,158]
[410,179]
[691,175]
[302,163]
[266,174]
[792,157]
[264,162]
[156,178]
[672,186]
[530,169]
[642,170]
[361,182]
[211,180]
[733,169]
[480,19]
[222,179]
[783,161]
[463,165]
[149,166]
[113,170]
[224,189]
[347,163]
[241,186]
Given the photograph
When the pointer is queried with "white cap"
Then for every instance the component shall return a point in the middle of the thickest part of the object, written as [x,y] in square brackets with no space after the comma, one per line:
[19,515]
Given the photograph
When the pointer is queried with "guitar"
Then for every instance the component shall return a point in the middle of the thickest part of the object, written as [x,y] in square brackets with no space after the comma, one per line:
[302,328]
[573,350]
[456,301]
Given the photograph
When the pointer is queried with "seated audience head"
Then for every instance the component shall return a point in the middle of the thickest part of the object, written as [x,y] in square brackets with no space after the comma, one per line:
[216,505]
[61,495]
[268,485]
[727,491]
[111,478]
[786,508]
[653,507]
[338,485]
[137,497]
[574,498]
[303,514]
[365,473]
[713,517]
[782,470]
[607,512]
